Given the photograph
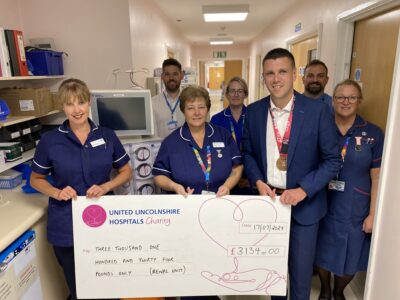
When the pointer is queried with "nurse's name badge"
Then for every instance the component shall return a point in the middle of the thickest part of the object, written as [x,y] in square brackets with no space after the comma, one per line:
[218,145]
[172,125]
[336,185]
[97,143]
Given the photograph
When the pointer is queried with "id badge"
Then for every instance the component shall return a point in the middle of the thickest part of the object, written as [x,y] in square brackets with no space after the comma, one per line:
[172,124]
[336,185]
[203,192]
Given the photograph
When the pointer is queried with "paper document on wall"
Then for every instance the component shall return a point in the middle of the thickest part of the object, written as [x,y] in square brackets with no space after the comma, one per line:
[168,245]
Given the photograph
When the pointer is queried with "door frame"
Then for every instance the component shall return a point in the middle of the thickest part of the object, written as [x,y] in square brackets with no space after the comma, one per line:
[388,189]
[345,33]
[315,30]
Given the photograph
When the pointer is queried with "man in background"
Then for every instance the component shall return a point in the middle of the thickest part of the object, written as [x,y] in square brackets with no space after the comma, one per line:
[166,112]
[315,79]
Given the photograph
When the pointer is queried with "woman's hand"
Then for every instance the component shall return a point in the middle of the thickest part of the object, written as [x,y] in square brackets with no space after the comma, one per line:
[66,194]
[368,224]
[96,191]
[223,190]
[180,190]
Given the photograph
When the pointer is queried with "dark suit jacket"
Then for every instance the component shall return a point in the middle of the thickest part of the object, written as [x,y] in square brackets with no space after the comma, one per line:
[313,158]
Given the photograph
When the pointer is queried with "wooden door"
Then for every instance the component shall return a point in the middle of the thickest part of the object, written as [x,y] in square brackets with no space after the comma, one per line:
[202,77]
[232,68]
[216,75]
[303,52]
[374,49]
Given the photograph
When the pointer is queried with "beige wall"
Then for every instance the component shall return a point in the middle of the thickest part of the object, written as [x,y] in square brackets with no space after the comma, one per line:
[310,13]
[235,51]
[94,33]
[100,36]
[151,34]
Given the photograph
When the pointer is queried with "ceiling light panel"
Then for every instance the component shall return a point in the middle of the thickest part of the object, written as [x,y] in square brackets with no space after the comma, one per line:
[225,13]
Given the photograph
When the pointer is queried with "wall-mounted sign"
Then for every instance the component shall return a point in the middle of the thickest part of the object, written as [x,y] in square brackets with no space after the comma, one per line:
[297,27]
[219,54]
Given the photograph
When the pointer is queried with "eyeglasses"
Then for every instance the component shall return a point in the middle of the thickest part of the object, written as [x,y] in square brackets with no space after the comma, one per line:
[236,92]
[351,99]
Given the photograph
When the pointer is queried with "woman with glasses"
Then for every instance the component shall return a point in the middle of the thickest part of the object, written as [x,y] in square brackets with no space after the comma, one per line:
[345,232]
[232,118]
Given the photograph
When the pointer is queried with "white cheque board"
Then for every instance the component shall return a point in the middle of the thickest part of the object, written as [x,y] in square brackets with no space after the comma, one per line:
[168,245]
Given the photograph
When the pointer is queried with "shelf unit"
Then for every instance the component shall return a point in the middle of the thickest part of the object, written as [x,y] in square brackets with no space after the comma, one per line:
[11,120]
[18,78]
[25,157]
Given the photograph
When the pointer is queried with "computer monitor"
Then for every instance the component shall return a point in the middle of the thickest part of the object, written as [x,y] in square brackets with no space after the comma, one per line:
[127,112]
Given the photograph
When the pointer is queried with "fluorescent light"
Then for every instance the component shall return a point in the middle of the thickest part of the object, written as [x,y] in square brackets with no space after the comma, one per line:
[225,13]
[221,41]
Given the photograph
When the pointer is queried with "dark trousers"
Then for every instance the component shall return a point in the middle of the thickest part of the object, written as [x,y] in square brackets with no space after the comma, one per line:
[302,247]
[65,257]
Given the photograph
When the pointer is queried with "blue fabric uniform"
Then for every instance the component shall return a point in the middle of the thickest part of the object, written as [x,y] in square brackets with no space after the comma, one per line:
[225,119]
[80,166]
[343,247]
[177,160]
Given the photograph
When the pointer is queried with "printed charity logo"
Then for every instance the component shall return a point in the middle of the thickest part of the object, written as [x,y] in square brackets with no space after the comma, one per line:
[94,216]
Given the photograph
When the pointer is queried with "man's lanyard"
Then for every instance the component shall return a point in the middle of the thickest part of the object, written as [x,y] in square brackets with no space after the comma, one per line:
[205,170]
[283,143]
[172,109]
[233,128]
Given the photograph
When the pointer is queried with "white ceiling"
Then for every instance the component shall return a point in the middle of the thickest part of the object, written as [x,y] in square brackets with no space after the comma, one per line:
[193,27]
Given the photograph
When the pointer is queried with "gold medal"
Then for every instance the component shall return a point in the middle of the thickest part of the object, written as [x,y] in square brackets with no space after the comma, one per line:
[281,163]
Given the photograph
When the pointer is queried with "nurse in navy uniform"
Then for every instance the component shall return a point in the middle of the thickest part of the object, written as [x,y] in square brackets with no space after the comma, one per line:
[345,232]
[232,119]
[80,156]
[197,158]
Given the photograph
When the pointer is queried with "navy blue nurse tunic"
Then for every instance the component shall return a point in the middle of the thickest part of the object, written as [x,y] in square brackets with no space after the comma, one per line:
[60,153]
[177,160]
[225,119]
[343,248]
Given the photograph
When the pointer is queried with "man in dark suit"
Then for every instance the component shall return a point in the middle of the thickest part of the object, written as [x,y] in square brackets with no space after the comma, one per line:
[290,150]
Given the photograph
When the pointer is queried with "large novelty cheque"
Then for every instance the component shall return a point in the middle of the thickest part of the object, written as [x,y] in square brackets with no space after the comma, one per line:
[168,245]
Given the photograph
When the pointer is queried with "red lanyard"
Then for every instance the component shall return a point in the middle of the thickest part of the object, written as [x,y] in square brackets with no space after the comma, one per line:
[286,136]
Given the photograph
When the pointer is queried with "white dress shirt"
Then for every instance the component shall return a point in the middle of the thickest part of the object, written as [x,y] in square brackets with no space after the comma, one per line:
[276,177]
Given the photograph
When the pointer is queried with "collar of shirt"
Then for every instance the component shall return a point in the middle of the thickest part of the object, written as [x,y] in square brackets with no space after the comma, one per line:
[228,113]
[64,127]
[286,109]
[186,135]
[169,98]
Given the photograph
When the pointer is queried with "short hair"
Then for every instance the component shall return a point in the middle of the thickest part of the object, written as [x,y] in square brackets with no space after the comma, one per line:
[171,62]
[279,53]
[316,62]
[348,82]
[241,81]
[192,92]
[71,89]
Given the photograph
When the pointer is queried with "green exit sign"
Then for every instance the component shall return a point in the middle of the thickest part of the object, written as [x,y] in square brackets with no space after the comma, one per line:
[219,54]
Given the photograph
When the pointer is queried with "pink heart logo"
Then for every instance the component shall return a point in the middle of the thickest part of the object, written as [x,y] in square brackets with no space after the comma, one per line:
[94,216]
[221,219]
